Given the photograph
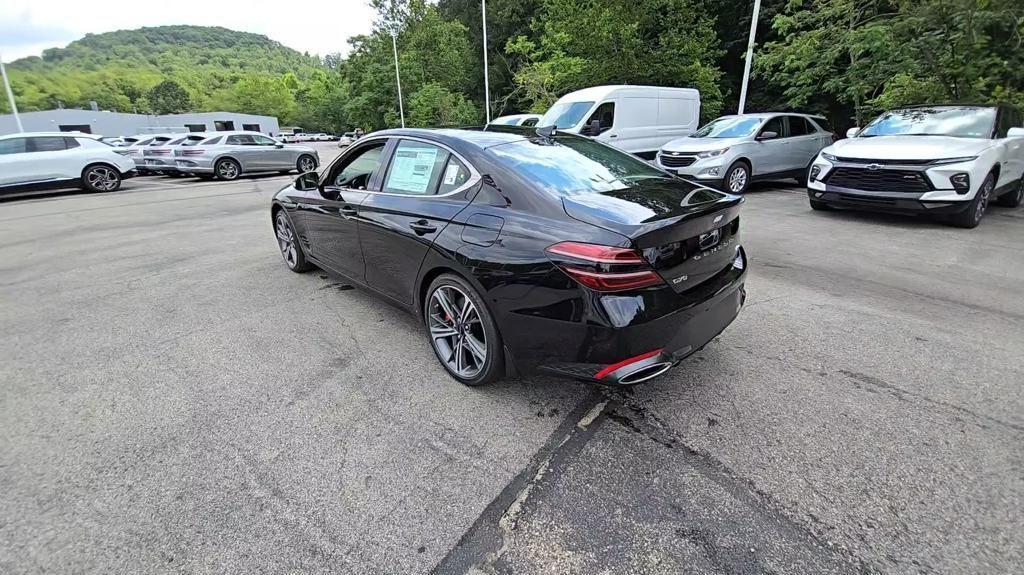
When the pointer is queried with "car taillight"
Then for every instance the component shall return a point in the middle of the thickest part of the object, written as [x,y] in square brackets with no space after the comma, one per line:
[192,152]
[603,268]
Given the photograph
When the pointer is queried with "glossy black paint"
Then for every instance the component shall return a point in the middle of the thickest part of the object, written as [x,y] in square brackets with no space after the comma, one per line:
[494,234]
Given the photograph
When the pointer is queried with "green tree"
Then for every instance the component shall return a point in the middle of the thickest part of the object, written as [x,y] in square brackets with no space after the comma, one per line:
[434,106]
[260,95]
[168,97]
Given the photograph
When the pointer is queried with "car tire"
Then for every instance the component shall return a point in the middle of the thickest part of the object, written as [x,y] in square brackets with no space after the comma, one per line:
[820,206]
[227,169]
[455,330]
[305,163]
[1012,199]
[975,211]
[737,178]
[804,178]
[101,178]
[289,245]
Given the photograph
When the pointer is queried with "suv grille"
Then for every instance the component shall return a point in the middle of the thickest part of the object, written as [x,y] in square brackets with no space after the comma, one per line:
[677,161]
[884,162]
[879,180]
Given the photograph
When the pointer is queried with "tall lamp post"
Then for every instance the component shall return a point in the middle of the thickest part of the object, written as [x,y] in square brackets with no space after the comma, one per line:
[10,95]
[398,78]
[750,55]
[487,87]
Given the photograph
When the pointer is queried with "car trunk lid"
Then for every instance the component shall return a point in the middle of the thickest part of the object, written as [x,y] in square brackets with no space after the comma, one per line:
[688,233]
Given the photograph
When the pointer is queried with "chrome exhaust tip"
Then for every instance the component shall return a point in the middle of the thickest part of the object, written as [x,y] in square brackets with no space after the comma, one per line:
[645,373]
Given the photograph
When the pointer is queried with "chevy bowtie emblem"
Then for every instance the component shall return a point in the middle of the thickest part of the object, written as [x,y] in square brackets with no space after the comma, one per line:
[717,219]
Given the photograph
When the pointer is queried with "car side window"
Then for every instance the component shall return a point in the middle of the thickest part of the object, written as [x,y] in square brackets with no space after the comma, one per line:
[774,125]
[241,140]
[529,122]
[47,144]
[73,143]
[213,141]
[415,169]
[454,176]
[798,126]
[12,146]
[356,170]
[263,140]
[1008,118]
[605,114]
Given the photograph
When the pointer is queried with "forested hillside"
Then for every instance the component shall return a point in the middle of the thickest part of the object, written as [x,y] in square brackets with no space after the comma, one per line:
[844,58]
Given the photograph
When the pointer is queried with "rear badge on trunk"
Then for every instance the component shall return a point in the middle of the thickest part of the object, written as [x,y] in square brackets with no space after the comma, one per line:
[680,279]
[708,240]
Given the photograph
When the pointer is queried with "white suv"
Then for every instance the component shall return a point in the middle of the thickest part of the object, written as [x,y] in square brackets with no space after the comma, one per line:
[59,159]
[948,160]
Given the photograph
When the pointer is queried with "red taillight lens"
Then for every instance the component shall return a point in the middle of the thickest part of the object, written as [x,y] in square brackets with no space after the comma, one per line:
[596,253]
[192,152]
[603,268]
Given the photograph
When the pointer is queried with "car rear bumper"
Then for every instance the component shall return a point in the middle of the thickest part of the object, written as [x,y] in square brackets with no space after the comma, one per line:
[894,202]
[628,339]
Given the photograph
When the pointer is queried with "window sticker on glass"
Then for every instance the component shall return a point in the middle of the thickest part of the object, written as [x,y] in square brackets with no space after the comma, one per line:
[450,174]
[411,169]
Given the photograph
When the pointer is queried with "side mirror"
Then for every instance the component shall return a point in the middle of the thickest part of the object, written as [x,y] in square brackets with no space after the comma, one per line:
[278,145]
[768,135]
[1015,133]
[307,182]
[591,129]
[852,132]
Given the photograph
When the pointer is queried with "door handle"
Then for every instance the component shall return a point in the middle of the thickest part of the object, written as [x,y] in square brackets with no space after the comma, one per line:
[422,227]
[614,136]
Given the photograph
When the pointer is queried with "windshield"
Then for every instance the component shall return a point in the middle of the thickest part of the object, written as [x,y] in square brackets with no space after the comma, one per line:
[565,115]
[958,121]
[731,127]
[575,165]
[509,121]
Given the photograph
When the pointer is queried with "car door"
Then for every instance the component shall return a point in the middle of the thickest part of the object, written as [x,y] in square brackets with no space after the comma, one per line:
[243,148]
[329,219]
[769,155]
[424,187]
[1011,149]
[14,164]
[805,142]
[271,157]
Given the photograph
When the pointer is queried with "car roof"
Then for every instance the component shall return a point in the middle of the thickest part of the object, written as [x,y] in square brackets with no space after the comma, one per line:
[478,137]
[596,93]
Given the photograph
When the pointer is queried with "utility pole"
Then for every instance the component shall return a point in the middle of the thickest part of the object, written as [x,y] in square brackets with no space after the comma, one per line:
[487,87]
[750,55]
[398,79]
[10,95]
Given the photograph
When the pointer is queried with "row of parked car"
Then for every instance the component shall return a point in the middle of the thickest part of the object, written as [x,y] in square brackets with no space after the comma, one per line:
[58,159]
[950,160]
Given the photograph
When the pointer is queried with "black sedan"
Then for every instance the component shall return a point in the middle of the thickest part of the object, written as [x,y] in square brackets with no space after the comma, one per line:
[524,250]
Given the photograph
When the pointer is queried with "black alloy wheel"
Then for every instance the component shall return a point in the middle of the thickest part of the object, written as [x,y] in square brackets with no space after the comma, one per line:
[462,332]
[288,243]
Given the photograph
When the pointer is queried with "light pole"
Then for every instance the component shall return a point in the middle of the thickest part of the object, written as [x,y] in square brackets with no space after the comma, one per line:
[487,87]
[10,95]
[750,55]
[398,79]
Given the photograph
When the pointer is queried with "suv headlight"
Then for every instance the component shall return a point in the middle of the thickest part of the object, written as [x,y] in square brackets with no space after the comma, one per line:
[829,157]
[945,161]
[712,153]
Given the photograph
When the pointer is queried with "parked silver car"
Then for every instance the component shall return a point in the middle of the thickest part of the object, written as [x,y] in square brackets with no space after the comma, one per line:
[136,150]
[159,157]
[733,151]
[228,155]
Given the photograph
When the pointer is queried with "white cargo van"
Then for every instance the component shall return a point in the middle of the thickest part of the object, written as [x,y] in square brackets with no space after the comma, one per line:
[637,119]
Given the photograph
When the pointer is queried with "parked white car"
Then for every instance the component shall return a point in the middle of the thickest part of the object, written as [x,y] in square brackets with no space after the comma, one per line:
[948,160]
[42,160]
[636,119]
[732,151]
[517,120]
[322,137]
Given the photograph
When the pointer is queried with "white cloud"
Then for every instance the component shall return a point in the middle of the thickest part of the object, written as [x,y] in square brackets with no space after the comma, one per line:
[318,27]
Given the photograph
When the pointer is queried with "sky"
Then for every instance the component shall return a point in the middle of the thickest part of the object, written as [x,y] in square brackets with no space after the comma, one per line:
[27,27]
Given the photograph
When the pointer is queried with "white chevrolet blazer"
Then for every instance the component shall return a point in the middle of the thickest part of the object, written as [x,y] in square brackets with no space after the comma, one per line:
[946,160]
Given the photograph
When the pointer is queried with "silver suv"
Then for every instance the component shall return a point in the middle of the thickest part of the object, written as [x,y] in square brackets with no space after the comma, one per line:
[732,151]
[228,155]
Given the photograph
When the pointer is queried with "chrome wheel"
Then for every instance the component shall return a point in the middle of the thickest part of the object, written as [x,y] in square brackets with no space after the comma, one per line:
[227,170]
[102,178]
[737,180]
[457,332]
[306,164]
[985,194]
[286,241]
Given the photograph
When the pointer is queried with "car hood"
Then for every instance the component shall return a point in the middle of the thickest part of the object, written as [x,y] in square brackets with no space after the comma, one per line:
[700,144]
[907,147]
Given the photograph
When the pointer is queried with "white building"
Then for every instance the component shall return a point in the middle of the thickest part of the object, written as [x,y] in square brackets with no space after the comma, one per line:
[118,124]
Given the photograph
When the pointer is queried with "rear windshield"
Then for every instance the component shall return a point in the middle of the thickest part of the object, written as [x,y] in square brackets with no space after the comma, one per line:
[212,141]
[575,165]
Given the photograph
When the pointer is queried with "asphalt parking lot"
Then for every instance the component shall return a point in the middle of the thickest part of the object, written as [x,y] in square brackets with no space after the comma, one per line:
[176,401]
